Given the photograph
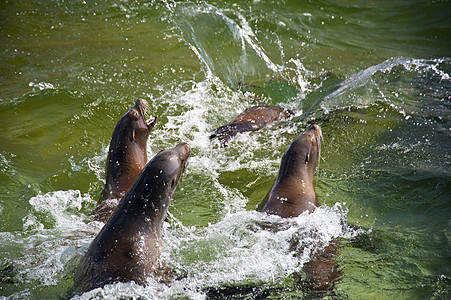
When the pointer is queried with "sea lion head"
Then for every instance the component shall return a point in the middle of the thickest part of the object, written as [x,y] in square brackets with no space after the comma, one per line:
[302,155]
[169,165]
[154,187]
[138,127]
[131,132]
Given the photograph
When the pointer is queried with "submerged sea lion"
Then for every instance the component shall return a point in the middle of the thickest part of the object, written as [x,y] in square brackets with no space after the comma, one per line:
[127,156]
[293,192]
[252,119]
[129,245]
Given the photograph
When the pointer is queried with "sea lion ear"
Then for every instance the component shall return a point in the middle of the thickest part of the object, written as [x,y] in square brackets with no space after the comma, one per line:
[132,137]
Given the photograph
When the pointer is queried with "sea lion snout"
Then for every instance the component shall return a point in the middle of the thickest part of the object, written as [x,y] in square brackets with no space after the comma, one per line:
[141,104]
[315,135]
[184,148]
[315,130]
[185,152]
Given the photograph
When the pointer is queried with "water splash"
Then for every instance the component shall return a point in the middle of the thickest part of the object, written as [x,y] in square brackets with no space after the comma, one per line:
[42,86]
[394,81]
[228,47]
[52,232]
[63,207]
[243,248]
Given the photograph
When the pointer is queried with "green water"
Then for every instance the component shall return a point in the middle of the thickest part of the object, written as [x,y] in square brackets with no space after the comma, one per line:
[375,75]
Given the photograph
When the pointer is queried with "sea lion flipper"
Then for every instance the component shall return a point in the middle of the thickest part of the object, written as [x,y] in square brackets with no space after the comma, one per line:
[225,132]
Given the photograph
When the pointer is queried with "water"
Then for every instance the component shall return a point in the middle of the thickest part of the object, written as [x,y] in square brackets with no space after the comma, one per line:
[374,75]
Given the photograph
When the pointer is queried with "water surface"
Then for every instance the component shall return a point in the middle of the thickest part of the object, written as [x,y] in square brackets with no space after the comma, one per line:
[375,75]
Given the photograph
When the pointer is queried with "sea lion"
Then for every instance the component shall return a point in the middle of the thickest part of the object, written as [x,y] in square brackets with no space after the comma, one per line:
[252,119]
[294,192]
[127,156]
[129,245]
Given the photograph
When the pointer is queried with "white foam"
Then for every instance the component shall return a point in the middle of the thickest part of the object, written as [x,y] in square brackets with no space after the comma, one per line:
[252,246]
[42,86]
[61,206]
[243,247]
[51,233]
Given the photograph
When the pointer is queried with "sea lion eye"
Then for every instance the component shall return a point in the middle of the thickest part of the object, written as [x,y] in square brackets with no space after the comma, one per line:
[172,183]
[135,114]
[307,157]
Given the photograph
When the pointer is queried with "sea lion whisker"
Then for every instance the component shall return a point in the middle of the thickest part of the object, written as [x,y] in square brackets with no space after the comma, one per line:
[143,105]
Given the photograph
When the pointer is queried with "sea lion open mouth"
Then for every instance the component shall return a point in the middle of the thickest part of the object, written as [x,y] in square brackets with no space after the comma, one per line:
[142,105]
[151,122]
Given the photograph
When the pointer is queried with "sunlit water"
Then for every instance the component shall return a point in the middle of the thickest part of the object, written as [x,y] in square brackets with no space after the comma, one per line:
[374,76]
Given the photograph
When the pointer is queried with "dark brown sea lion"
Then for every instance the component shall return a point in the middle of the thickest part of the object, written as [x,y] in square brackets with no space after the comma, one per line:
[127,156]
[294,192]
[252,119]
[129,245]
